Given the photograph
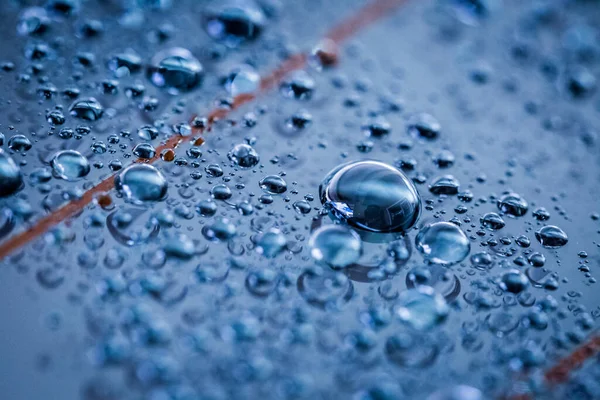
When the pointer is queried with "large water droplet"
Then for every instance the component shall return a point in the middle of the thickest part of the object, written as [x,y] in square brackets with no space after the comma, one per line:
[514,281]
[175,69]
[244,156]
[443,243]
[273,184]
[371,195]
[421,308]
[70,165]
[233,23]
[551,236]
[458,392]
[242,80]
[140,183]
[335,245]
[87,109]
[513,204]
[11,179]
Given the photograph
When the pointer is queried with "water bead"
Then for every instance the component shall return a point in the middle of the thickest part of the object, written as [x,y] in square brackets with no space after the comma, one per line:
[271,243]
[11,179]
[87,109]
[424,126]
[421,308]
[492,221]
[512,204]
[514,281]
[140,183]
[335,245]
[446,185]
[371,195]
[458,392]
[70,165]
[242,80]
[551,237]
[443,243]
[233,23]
[175,69]
[273,184]
[244,156]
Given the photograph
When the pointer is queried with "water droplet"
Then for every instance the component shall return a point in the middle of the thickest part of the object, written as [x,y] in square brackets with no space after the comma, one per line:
[325,288]
[206,208]
[424,126]
[33,21]
[513,204]
[443,243]
[220,230]
[551,237]
[11,179]
[446,185]
[411,351]
[458,392]
[299,85]
[514,281]
[127,227]
[19,143]
[421,308]
[140,183]
[244,156]
[175,69]
[242,80]
[271,243]
[50,278]
[87,109]
[144,150]
[234,24]
[147,132]
[371,195]
[273,184]
[492,221]
[335,245]
[70,165]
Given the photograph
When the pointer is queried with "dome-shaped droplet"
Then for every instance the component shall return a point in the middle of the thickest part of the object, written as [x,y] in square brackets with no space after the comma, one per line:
[514,281]
[140,183]
[87,109]
[298,85]
[492,221]
[446,184]
[513,204]
[271,243]
[335,245]
[424,126]
[175,69]
[11,179]
[551,237]
[371,195]
[244,156]
[144,150]
[233,23]
[458,392]
[242,80]
[70,165]
[33,21]
[443,243]
[421,308]
[273,184]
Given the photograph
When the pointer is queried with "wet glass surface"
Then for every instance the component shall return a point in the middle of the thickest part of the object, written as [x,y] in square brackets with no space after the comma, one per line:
[172,225]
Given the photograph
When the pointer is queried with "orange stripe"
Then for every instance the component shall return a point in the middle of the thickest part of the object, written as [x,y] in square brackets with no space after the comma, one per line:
[561,371]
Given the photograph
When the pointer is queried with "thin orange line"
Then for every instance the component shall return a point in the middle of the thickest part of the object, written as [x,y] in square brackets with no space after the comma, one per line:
[363,18]
[560,372]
